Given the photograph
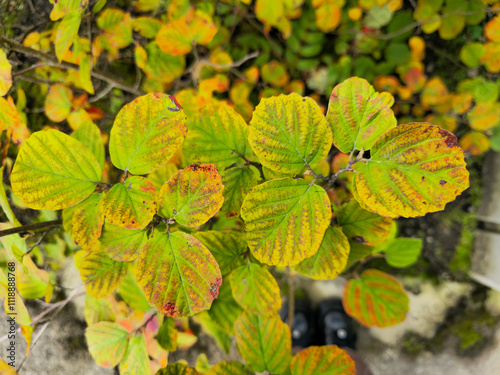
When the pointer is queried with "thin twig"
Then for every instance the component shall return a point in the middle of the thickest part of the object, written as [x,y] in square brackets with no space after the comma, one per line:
[101,94]
[39,241]
[347,168]
[234,64]
[53,62]
[30,227]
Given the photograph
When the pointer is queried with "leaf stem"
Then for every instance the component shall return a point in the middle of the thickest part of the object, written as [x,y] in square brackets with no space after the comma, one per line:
[333,177]
[30,227]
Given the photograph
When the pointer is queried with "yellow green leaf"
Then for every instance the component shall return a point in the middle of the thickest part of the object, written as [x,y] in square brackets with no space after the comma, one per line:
[217,134]
[87,221]
[107,343]
[146,133]
[228,248]
[209,326]
[358,115]
[85,77]
[66,33]
[319,360]
[288,133]
[228,368]
[363,226]
[58,103]
[401,252]
[329,260]
[122,244]
[100,274]
[375,299]
[178,274]
[162,175]
[414,169]
[255,289]
[98,310]
[5,74]
[275,74]
[177,368]
[148,27]
[471,54]
[192,195]
[285,220]
[131,293]
[131,203]
[237,181]
[225,310]
[117,26]
[135,361]
[167,335]
[475,143]
[54,171]
[264,342]
[451,26]
[89,134]
[328,14]
[161,66]
[484,116]
[63,7]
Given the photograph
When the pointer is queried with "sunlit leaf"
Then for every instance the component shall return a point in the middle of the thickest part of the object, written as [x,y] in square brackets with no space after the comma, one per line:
[131,203]
[148,27]
[54,171]
[475,143]
[89,134]
[288,133]
[58,102]
[285,220]
[100,274]
[178,274]
[122,244]
[135,361]
[329,260]
[401,252]
[5,74]
[161,66]
[237,181]
[319,360]
[66,33]
[167,335]
[117,26]
[217,134]
[146,133]
[328,14]
[363,226]
[484,116]
[358,115]
[255,289]
[107,343]
[491,57]
[63,7]
[375,299]
[264,342]
[98,310]
[228,248]
[192,195]
[492,29]
[414,169]
[162,175]
[229,368]
[87,221]
[471,54]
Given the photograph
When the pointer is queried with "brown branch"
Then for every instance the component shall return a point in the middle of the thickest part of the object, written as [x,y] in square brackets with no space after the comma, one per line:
[52,61]
[347,168]
[30,227]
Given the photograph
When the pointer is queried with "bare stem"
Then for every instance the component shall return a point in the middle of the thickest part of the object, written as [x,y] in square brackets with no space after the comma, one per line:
[347,168]
[30,227]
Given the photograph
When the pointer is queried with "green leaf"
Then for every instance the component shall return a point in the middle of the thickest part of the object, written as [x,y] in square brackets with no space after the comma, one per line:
[319,360]
[376,299]
[217,134]
[228,248]
[177,369]
[401,252]
[161,66]
[229,368]
[66,33]
[285,220]
[162,175]
[130,204]
[237,181]
[58,103]
[471,54]
[136,359]
[167,335]
[122,244]
[98,310]
[100,274]
[357,252]
[414,169]
[178,274]
[225,310]
[54,171]
[87,221]
[451,26]
[146,133]
[255,289]
[329,260]
[192,195]
[214,330]
[358,115]
[132,294]
[288,133]
[363,226]
[202,364]
[107,343]
[89,134]
[264,342]
[148,27]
